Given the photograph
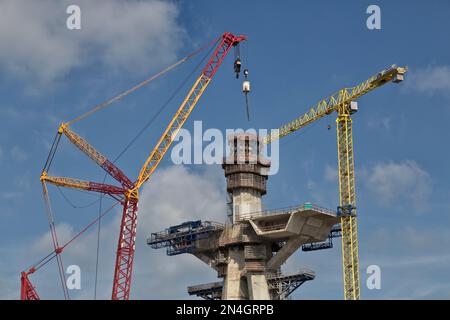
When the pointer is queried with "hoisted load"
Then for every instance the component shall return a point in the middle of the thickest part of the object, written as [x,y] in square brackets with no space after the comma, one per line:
[246,83]
[246,90]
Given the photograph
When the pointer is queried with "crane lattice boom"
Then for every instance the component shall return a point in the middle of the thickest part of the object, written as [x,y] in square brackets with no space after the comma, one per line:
[83,185]
[95,155]
[341,98]
[128,193]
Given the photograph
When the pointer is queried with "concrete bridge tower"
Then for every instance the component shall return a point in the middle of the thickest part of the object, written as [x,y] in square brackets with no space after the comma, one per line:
[247,252]
[246,173]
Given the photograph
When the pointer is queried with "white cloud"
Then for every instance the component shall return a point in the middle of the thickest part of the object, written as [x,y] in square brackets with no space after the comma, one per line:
[17,113]
[410,240]
[44,243]
[120,35]
[182,196]
[331,173]
[414,261]
[174,195]
[324,191]
[380,123]
[404,184]
[11,195]
[431,80]
[18,154]
[22,182]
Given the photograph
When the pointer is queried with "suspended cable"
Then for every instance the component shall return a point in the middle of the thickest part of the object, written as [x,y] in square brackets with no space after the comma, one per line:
[90,225]
[140,85]
[37,265]
[62,276]
[128,146]
[98,245]
[72,204]
[56,252]
[164,105]
[247,63]
[55,239]
[57,249]
[58,137]
[48,259]
[132,141]
[298,134]
[85,192]
[52,152]
[247,107]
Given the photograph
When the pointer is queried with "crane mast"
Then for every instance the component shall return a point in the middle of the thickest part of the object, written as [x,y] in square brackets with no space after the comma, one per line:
[343,102]
[347,204]
[27,291]
[95,155]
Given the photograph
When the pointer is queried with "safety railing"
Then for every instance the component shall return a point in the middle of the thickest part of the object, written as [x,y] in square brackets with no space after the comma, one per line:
[291,209]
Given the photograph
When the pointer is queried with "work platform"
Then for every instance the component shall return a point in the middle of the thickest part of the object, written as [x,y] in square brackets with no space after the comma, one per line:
[280,286]
[252,249]
[305,219]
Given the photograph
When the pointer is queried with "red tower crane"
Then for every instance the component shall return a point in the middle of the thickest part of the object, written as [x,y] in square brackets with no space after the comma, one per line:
[127,194]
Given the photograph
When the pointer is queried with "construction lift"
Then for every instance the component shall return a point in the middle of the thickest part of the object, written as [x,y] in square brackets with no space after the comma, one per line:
[344,104]
[127,194]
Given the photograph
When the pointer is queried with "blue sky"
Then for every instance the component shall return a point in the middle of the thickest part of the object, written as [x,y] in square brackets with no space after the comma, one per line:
[297,53]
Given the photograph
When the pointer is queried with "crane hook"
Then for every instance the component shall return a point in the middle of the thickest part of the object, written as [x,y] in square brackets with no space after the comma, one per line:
[246,90]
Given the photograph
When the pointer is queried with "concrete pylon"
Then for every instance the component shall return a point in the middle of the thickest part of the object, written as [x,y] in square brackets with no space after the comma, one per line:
[247,252]
[246,173]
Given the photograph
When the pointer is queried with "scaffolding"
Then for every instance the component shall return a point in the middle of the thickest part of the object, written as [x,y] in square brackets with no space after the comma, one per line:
[181,238]
[207,291]
[280,286]
[335,232]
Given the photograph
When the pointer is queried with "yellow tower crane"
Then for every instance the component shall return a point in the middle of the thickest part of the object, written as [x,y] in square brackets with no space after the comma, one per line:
[344,103]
